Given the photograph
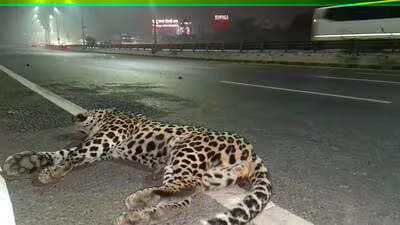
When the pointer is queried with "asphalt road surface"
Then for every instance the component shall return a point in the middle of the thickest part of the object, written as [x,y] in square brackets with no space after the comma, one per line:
[330,137]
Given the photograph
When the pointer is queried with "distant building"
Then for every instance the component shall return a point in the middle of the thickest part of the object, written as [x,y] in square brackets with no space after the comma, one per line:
[127,39]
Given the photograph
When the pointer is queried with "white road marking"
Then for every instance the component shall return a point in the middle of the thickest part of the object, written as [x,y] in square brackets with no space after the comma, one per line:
[56,99]
[357,35]
[378,73]
[272,215]
[6,210]
[309,92]
[358,79]
[202,67]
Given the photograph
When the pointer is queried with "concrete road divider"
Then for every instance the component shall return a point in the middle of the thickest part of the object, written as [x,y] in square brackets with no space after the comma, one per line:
[330,58]
[271,215]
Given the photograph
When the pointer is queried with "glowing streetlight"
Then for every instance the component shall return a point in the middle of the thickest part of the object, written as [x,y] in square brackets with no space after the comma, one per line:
[50,31]
[56,17]
[36,8]
[35,16]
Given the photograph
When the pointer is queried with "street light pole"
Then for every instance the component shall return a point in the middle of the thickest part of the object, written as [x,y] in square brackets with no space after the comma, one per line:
[56,18]
[46,36]
[32,31]
[49,31]
[154,34]
[155,31]
[63,30]
[83,29]
[35,15]
[58,34]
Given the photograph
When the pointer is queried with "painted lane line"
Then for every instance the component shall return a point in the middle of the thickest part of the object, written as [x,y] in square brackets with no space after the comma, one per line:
[272,215]
[6,210]
[378,73]
[309,92]
[59,101]
[358,79]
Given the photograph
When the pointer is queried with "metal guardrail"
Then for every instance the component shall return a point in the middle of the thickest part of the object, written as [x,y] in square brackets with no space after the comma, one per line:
[392,45]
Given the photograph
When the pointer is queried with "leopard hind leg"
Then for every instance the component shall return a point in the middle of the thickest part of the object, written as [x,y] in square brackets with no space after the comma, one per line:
[219,176]
[172,184]
[153,213]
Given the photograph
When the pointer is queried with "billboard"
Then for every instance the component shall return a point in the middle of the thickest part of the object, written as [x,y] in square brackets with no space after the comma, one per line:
[170,28]
[222,22]
[166,28]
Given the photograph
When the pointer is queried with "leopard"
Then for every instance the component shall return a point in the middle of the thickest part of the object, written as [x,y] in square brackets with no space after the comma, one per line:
[189,158]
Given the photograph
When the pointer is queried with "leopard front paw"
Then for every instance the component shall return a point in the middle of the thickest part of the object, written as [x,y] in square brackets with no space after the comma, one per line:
[24,163]
[142,199]
[121,219]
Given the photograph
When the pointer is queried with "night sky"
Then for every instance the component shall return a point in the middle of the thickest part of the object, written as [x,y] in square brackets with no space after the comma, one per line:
[106,23]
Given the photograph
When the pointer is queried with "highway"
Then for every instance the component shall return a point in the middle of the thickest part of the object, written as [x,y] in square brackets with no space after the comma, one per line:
[329,136]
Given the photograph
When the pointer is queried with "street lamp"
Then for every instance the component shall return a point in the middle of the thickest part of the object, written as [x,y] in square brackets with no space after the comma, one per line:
[83,29]
[33,20]
[56,16]
[50,30]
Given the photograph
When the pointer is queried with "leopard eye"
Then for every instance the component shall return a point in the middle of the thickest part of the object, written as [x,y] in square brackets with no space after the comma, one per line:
[80,117]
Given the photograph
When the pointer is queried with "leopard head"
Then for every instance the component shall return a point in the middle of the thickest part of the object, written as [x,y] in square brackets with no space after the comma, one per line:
[87,121]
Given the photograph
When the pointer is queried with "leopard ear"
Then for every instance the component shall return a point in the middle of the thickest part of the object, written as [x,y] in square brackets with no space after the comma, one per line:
[80,117]
[140,116]
[113,109]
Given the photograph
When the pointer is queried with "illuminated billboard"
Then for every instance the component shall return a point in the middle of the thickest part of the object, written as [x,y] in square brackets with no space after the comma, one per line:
[222,22]
[185,28]
[221,17]
[165,23]
[168,28]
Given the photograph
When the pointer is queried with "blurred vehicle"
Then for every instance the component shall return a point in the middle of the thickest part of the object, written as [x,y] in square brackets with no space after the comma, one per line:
[356,22]
[91,42]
